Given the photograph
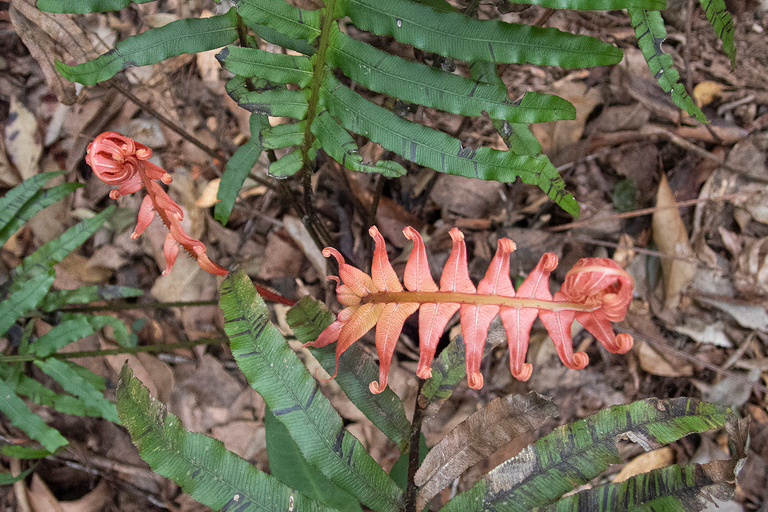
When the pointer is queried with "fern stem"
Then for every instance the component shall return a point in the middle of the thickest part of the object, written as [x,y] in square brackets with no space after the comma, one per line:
[471,298]
[317,80]
[413,452]
[162,347]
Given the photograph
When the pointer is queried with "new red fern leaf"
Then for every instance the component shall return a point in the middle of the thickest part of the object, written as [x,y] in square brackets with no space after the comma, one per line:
[595,292]
[120,160]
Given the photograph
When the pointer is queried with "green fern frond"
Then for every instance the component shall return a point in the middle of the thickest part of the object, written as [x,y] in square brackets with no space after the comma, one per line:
[650,34]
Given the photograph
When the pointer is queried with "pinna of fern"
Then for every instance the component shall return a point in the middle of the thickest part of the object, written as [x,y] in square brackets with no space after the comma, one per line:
[120,160]
[596,292]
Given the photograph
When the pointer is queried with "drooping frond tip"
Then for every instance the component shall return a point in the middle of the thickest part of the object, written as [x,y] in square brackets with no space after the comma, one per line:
[596,292]
[120,160]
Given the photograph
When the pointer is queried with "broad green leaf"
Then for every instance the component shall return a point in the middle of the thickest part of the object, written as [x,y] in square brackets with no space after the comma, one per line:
[157,44]
[72,382]
[202,466]
[8,479]
[288,389]
[281,17]
[273,36]
[357,370]
[418,83]
[340,146]
[722,23]
[25,298]
[24,452]
[283,69]
[23,201]
[460,37]
[438,150]
[20,415]
[61,335]
[287,464]
[650,34]
[119,330]
[237,169]
[598,5]
[291,163]
[85,294]
[576,453]
[85,6]
[517,136]
[43,259]
[277,102]
[688,488]
[283,135]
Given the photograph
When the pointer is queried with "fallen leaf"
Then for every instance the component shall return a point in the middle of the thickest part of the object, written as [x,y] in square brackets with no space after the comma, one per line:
[42,33]
[303,239]
[747,315]
[705,92]
[42,499]
[557,135]
[646,462]
[22,142]
[652,362]
[671,237]
[208,197]
[702,332]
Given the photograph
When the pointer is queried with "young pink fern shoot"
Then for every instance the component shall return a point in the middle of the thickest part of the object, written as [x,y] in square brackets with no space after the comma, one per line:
[120,160]
[596,292]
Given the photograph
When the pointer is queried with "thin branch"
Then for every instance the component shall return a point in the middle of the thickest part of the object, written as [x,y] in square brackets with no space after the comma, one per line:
[646,211]
[167,122]
[162,347]
[413,452]
[661,345]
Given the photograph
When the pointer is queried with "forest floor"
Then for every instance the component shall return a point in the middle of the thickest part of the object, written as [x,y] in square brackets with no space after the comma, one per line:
[650,183]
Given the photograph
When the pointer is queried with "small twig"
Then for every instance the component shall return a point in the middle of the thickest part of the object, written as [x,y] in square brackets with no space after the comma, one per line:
[375,202]
[687,48]
[167,122]
[661,345]
[162,347]
[646,211]
[413,452]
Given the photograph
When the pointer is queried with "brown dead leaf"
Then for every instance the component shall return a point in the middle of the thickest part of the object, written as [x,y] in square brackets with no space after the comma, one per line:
[705,92]
[671,237]
[555,136]
[645,462]
[246,438]
[42,499]
[208,197]
[42,47]
[281,258]
[22,141]
[467,197]
[480,435]
[654,363]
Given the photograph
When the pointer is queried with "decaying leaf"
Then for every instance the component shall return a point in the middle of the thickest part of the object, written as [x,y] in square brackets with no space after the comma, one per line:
[44,34]
[479,436]
[671,237]
[22,140]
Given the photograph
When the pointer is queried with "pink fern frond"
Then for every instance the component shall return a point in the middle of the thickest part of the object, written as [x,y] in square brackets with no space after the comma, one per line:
[596,292]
